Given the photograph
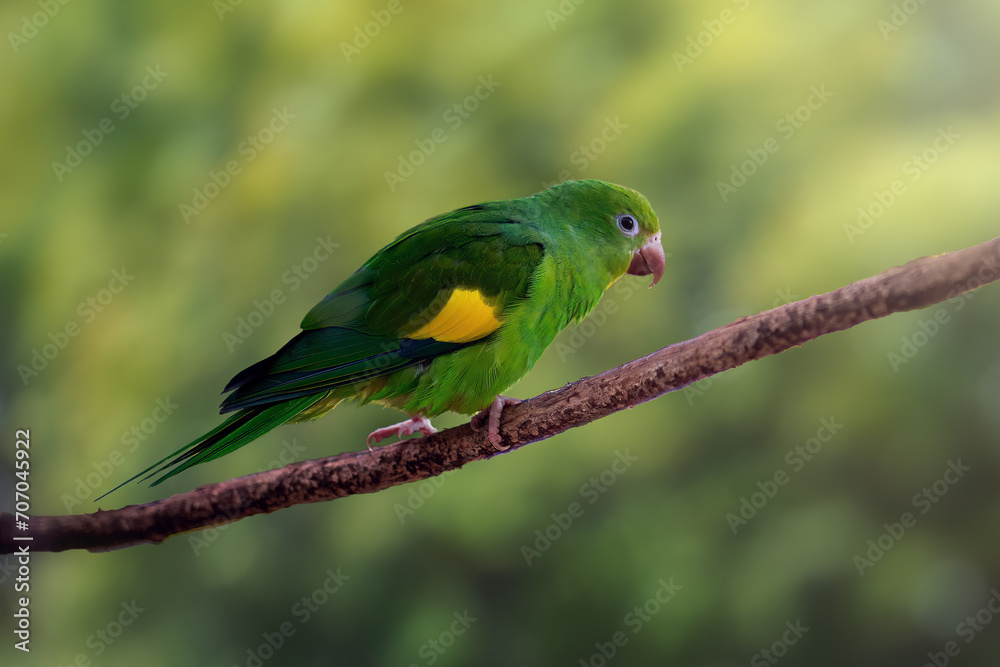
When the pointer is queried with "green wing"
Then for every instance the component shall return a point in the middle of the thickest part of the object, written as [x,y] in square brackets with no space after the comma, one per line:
[361,329]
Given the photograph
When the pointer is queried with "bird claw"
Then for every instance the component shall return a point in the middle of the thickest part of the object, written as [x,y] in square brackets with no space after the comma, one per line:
[491,416]
[402,429]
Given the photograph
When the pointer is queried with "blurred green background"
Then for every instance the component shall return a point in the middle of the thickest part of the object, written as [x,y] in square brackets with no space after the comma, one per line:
[248,160]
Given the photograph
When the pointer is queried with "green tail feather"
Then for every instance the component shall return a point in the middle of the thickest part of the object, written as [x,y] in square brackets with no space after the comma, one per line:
[230,435]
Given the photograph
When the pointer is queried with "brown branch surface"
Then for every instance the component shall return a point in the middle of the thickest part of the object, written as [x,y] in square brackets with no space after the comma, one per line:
[917,284]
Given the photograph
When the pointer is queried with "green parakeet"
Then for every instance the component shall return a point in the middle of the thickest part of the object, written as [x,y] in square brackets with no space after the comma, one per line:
[446,317]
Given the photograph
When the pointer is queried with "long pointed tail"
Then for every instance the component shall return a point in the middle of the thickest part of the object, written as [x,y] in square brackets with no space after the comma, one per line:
[241,428]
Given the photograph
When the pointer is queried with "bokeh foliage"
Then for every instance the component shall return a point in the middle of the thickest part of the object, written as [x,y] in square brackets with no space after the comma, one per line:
[588,89]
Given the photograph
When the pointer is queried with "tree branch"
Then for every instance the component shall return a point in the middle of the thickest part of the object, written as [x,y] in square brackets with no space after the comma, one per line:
[917,284]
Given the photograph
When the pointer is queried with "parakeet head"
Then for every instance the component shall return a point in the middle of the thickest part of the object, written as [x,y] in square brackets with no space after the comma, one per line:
[619,219]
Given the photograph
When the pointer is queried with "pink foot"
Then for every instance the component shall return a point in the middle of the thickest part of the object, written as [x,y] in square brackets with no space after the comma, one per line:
[402,429]
[492,416]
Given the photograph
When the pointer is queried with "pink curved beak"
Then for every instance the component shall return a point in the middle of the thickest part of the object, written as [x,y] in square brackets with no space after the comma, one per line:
[649,259]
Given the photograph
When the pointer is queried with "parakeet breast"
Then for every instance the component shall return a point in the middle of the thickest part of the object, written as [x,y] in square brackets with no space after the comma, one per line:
[467,380]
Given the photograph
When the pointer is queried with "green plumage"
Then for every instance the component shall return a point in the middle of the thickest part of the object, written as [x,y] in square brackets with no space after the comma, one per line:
[524,267]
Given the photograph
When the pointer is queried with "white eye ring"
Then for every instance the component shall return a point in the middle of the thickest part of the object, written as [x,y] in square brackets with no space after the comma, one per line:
[628,225]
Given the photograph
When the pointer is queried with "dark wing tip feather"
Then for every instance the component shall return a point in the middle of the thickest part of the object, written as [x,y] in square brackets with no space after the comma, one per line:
[310,367]
[247,374]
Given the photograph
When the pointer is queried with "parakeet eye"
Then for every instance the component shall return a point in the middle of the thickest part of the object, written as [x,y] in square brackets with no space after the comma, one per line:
[628,224]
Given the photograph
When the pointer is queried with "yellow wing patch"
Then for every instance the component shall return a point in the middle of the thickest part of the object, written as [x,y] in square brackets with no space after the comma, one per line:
[464,317]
